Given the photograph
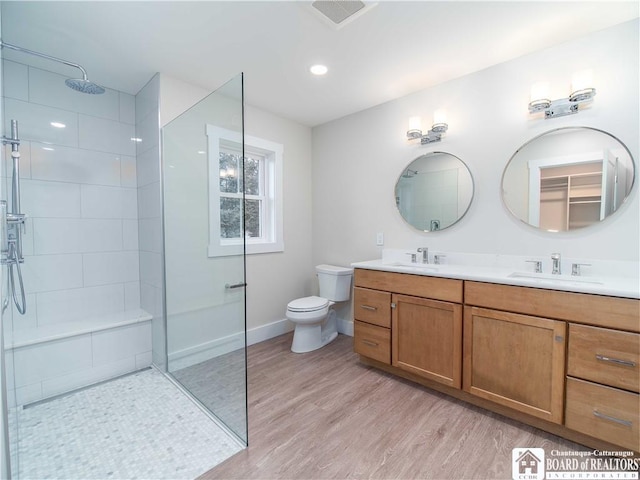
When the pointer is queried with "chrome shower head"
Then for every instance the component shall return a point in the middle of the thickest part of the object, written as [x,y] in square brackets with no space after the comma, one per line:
[79,84]
[85,86]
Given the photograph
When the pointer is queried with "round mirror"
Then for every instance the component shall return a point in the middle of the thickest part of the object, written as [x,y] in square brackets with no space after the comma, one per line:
[568,178]
[434,191]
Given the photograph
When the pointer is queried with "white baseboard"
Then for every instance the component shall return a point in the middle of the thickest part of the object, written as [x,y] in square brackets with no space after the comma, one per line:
[220,346]
[345,327]
[270,330]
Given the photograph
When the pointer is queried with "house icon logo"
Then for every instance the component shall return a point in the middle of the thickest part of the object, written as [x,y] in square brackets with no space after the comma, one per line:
[527,463]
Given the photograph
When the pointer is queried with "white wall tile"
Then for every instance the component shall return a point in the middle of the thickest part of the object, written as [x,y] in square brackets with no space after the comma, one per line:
[79,303]
[106,268]
[50,199]
[147,130]
[25,395]
[127,108]
[132,295]
[129,234]
[128,171]
[15,321]
[56,235]
[48,88]
[143,360]
[106,135]
[148,166]
[108,202]
[150,231]
[151,268]
[147,99]
[66,164]
[44,273]
[118,343]
[15,80]
[42,361]
[87,376]
[100,235]
[34,122]
[149,201]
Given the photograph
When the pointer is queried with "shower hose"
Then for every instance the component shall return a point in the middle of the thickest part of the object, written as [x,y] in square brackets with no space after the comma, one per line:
[13,261]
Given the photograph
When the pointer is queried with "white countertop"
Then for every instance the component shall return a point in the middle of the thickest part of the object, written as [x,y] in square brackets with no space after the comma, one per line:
[617,286]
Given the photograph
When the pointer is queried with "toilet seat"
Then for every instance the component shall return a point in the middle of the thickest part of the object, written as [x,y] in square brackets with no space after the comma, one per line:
[308,304]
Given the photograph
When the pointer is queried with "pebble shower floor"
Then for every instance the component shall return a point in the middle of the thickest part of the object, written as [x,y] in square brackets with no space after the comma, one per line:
[136,427]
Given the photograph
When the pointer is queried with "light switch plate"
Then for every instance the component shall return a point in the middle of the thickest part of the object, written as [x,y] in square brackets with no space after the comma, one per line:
[379,239]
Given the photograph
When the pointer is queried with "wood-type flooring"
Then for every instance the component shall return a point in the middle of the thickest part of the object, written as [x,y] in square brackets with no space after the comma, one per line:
[325,415]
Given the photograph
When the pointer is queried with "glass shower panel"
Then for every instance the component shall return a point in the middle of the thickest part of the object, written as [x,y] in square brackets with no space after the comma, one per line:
[205,294]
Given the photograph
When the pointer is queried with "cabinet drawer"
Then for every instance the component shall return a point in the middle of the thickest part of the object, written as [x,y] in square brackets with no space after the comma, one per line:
[372,306]
[596,310]
[373,342]
[603,412]
[605,356]
[446,289]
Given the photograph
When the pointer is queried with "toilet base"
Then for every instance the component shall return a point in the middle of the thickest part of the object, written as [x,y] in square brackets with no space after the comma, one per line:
[307,338]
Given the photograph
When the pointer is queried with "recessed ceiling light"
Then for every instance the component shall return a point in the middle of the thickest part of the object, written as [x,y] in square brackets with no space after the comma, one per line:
[319,69]
[58,125]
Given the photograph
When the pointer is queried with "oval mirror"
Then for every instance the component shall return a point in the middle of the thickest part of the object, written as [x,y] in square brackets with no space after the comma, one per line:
[434,191]
[568,178]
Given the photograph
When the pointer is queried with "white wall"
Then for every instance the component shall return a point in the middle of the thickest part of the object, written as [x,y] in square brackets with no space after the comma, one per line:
[273,279]
[357,159]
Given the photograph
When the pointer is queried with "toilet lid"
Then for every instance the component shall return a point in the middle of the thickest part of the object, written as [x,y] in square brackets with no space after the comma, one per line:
[308,304]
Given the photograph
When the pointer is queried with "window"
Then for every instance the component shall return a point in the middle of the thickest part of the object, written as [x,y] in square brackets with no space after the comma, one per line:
[261,183]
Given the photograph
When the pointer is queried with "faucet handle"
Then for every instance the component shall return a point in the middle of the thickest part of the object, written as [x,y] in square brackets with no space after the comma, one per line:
[437,258]
[537,265]
[413,257]
[575,268]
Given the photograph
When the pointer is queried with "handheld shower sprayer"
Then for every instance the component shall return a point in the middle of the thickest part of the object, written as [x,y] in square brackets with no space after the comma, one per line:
[83,84]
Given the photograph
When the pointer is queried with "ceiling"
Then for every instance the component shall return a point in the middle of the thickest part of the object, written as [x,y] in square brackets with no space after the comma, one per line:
[393,49]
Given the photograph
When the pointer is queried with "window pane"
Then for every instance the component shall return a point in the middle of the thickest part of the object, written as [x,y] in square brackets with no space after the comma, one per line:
[229,170]
[252,175]
[230,218]
[252,218]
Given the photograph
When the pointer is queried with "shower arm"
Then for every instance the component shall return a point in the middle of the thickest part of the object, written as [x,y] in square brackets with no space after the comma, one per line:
[42,55]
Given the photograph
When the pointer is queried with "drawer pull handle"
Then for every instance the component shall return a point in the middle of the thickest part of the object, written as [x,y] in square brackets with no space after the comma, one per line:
[368,307]
[370,343]
[626,423]
[617,361]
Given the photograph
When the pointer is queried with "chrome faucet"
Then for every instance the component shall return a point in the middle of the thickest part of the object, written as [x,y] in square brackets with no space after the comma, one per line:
[425,254]
[556,268]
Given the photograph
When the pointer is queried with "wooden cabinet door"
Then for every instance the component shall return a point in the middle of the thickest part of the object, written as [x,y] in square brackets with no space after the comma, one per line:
[515,360]
[427,338]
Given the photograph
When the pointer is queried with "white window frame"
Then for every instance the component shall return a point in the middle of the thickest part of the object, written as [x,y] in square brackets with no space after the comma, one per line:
[272,239]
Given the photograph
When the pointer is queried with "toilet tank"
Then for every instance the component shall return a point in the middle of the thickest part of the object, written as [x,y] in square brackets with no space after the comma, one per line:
[335,282]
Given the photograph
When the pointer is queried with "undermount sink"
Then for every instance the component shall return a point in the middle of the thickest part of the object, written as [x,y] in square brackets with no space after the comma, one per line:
[551,279]
[420,267]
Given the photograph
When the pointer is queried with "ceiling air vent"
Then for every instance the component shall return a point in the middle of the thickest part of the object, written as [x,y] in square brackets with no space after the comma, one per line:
[338,13]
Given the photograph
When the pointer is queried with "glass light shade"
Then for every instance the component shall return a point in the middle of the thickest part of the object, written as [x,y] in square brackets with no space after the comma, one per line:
[415,128]
[415,123]
[540,91]
[440,116]
[582,80]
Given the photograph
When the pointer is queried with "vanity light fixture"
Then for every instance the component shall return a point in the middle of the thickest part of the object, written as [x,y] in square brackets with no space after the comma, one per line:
[434,135]
[581,89]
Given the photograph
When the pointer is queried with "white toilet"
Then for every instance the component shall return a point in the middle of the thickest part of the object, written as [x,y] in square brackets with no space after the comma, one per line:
[314,318]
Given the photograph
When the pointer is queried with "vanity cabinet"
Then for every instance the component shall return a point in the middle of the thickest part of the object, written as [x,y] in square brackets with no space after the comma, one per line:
[427,338]
[603,384]
[425,323]
[515,360]
[372,324]
[562,361]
